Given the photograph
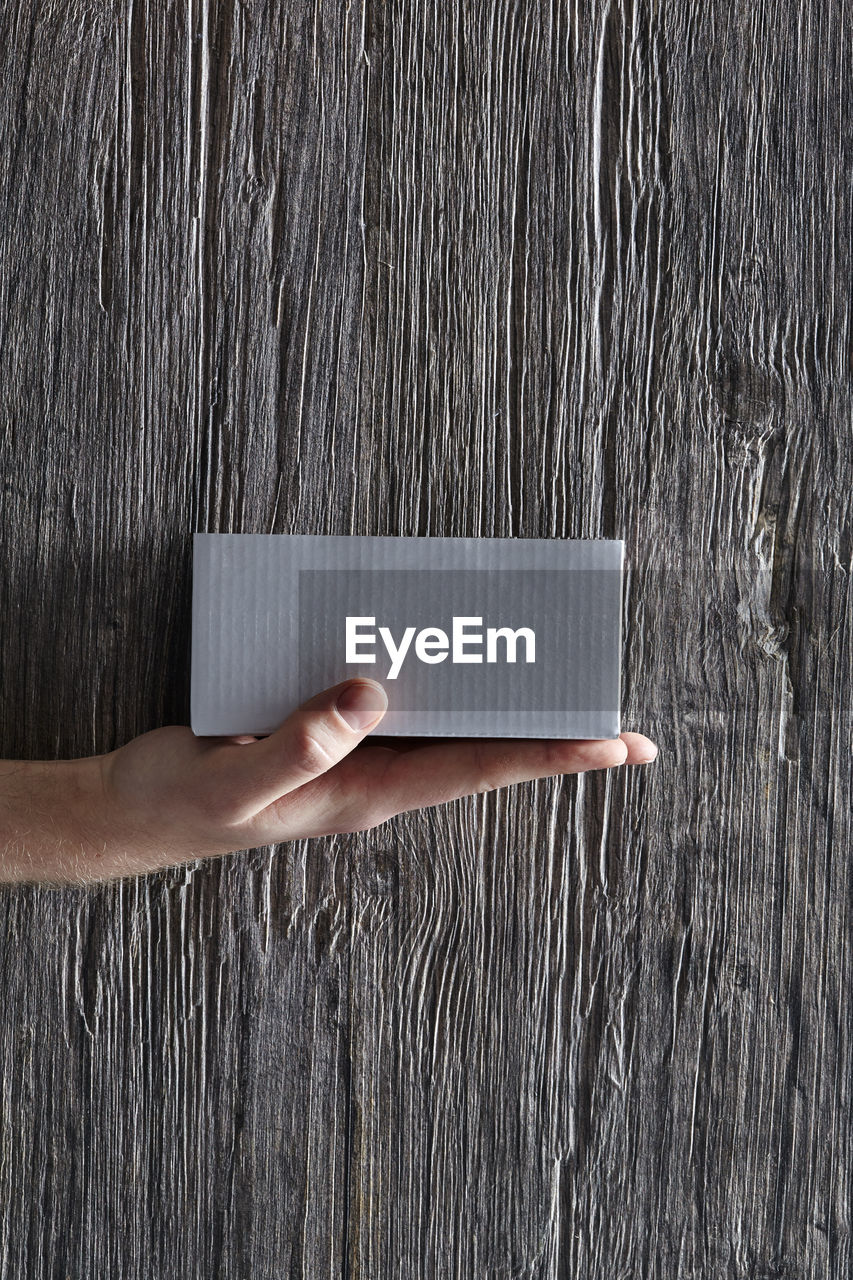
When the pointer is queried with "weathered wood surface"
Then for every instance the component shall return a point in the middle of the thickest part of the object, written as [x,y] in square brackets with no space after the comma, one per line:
[464,268]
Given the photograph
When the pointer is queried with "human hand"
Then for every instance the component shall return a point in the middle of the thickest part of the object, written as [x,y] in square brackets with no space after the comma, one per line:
[169,797]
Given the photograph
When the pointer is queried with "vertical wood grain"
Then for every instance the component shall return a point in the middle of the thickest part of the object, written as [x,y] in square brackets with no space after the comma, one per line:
[464,269]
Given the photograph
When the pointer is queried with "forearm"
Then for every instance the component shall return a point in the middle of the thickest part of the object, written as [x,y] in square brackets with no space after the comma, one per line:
[64,822]
[51,822]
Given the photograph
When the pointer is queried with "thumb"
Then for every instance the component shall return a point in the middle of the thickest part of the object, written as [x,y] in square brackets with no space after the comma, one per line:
[309,742]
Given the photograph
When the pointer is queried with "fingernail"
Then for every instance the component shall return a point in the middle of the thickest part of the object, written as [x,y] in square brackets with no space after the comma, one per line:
[648,754]
[361,703]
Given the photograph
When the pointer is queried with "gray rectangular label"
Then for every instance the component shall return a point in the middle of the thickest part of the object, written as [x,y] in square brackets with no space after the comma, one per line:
[573,615]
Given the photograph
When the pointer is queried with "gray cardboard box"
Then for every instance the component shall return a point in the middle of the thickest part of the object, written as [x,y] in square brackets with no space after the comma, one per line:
[475,637]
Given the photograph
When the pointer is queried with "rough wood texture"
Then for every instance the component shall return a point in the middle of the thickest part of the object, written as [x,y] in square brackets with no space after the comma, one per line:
[465,268]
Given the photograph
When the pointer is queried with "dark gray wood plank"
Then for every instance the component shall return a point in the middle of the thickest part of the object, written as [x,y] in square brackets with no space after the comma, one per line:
[469,269]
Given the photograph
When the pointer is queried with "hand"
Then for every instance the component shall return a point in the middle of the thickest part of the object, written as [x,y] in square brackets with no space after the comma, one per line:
[169,797]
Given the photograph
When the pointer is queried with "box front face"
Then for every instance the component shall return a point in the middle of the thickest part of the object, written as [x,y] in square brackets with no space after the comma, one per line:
[508,637]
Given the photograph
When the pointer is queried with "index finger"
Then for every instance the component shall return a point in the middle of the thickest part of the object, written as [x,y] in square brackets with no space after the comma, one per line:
[417,777]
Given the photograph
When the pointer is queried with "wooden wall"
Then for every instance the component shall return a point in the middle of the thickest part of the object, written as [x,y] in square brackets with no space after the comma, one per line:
[467,268]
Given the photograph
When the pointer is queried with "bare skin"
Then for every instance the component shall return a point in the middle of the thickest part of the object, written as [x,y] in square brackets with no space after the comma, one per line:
[169,797]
